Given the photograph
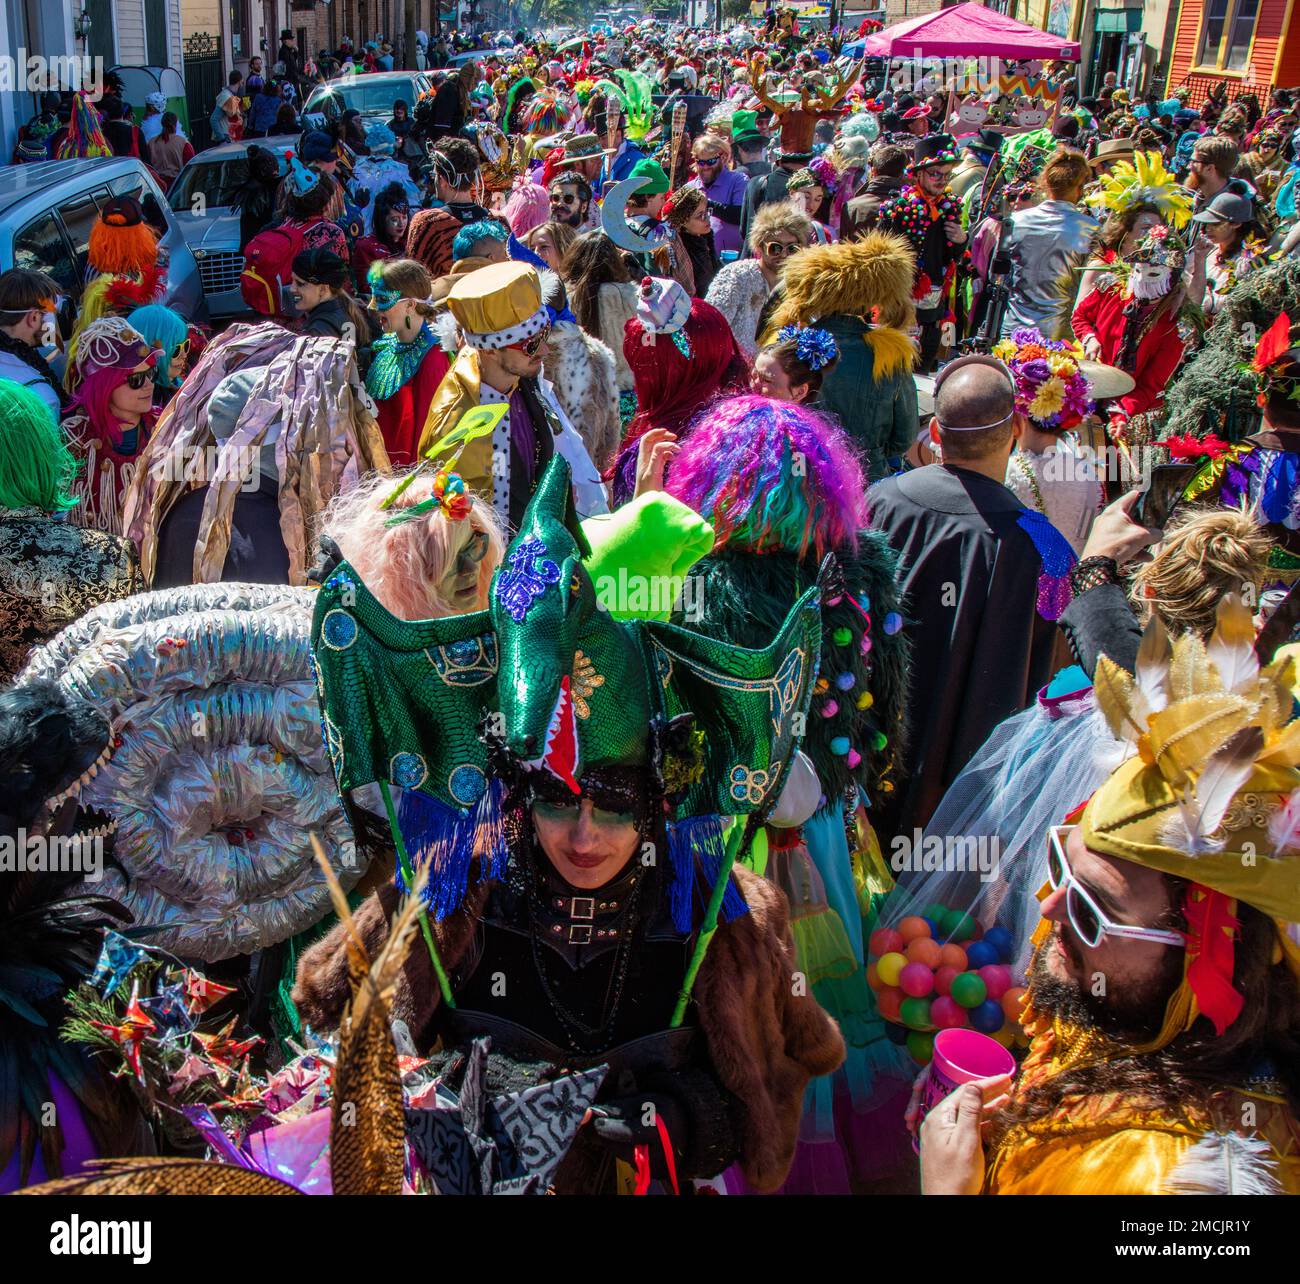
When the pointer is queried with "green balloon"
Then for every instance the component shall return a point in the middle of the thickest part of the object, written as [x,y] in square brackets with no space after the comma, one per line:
[935,912]
[920,1046]
[958,926]
[915,1013]
[968,989]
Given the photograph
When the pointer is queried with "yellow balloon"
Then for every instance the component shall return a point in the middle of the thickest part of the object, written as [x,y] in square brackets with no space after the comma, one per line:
[889,967]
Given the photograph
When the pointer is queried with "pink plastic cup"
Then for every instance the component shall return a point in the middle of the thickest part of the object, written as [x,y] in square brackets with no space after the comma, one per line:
[960,1056]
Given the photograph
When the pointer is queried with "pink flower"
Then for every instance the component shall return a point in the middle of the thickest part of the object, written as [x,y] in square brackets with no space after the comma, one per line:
[1159,232]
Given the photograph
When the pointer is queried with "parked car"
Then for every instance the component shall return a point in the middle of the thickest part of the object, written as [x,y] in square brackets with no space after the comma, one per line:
[48,208]
[372,94]
[203,203]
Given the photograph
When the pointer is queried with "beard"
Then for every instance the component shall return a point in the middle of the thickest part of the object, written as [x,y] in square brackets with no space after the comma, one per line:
[1131,1013]
[1146,288]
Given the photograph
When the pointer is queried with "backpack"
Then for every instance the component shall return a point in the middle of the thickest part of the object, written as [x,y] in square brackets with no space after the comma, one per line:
[268,265]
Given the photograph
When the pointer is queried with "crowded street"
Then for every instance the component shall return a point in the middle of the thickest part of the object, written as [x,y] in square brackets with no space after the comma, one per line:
[696,601]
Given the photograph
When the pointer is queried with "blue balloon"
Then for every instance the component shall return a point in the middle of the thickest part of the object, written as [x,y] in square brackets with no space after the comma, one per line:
[1000,939]
[988,1017]
[980,954]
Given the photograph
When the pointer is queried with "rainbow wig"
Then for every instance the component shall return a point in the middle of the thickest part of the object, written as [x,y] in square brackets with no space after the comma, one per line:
[160,327]
[92,396]
[772,476]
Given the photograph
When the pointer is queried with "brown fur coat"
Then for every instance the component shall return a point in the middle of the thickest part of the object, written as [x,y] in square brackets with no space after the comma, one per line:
[765,1042]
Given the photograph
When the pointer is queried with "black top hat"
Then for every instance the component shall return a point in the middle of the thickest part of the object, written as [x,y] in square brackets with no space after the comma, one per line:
[987,140]
[934,149]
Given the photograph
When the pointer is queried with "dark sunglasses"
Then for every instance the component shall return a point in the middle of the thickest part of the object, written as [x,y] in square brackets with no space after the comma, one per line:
[778,250]
[138,379]
[564,198]
[708,160]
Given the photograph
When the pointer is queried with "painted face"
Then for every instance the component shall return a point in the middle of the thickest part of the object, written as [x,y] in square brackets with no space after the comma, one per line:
[587,846]
[396,221]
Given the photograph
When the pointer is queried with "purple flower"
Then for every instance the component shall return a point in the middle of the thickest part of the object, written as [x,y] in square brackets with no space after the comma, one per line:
[1036,371]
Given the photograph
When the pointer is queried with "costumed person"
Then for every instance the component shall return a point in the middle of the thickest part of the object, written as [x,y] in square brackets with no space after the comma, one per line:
[529,206]
[61,1107]
[318,293]
[783,489]
[122,269]
[377,170]
[596,276]
[503,326]
[387,237]
[407,364]
[960,533]
[29,301]
[109,418]
[542,119]
[51,571]
[1175,883]
[1228,225]
[814,187]
[683,355]
[742,289]
[723,186]
[84,138]
[927,216]
[1131,320]
[792,367]
[860,293]
[162,328]
[797,117]
[608,117]
[592,760]
[429,238]
[313,198]
[263,433]
[631,216]
[686,211]
[1047,471]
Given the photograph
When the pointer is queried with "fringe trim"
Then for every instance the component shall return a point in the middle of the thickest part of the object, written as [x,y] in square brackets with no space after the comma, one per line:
[697,846]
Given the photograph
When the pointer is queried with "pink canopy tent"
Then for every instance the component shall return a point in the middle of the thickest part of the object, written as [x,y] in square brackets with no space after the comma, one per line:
[969,31]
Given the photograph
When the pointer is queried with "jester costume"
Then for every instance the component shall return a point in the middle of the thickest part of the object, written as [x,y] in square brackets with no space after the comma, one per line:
[658,728]
[1209,796]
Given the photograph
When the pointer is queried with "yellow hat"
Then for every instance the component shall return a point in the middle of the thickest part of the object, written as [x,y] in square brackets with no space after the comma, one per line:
[499,305]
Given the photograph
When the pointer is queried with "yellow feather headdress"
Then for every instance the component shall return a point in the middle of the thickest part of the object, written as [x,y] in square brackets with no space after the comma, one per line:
[1143,181]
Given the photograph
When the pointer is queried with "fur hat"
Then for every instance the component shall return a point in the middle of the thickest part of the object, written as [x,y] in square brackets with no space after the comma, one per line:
[854,278]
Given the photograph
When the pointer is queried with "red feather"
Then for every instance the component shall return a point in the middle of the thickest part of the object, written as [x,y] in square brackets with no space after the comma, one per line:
[126,294]
[1276,340]
[1211,945]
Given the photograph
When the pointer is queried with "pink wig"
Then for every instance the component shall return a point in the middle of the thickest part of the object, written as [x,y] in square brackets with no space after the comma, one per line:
[92,397]
[403,565]
[529,206]
[772,476]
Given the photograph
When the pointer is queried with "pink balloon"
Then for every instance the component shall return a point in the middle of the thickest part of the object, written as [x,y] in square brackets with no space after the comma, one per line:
[947,1013]
[998,978]
[917,980]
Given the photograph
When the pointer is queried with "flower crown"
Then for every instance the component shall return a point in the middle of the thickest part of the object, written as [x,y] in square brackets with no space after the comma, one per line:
[1160,247]
[815,348]
[1050,387]
[447,496]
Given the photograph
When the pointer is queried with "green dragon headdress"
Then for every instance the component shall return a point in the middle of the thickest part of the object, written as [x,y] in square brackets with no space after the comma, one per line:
[547,686]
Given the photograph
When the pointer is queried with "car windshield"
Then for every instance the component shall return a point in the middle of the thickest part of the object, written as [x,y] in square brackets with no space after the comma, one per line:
[216,181]
[368,99]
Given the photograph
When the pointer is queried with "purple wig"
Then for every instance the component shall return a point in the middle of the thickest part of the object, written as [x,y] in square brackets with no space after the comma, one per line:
[772,476]
[92,398]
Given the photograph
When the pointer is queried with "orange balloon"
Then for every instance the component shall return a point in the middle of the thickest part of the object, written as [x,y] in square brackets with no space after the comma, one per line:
[1012,1001]
[924,950]
[913,927]
[873,976]
[888,1000]
[951,955]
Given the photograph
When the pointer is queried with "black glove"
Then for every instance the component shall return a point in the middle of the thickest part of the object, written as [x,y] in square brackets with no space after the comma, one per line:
[627,1122]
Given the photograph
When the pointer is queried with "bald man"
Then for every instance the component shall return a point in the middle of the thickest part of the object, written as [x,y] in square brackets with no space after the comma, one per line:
[969,574]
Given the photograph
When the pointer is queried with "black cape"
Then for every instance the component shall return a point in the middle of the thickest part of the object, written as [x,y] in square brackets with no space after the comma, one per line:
[980,650]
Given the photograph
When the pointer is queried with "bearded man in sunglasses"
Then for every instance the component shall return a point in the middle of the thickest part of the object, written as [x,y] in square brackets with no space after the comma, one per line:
[1163,1004]
[504,326]
[570,197]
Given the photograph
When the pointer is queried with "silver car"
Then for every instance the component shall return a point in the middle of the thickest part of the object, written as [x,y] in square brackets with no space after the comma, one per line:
[372,94]
[48,208]
[204,203]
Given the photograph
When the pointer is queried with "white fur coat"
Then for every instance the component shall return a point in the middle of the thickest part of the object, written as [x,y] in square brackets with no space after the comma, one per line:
[739,292]
[582,371]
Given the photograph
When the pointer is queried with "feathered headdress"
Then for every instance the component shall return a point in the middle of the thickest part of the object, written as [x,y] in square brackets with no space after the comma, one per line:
[1268,365]
[1143,181]
[1211,795]
[84,138]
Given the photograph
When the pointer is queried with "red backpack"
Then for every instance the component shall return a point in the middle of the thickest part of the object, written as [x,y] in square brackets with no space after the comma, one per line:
[268,264]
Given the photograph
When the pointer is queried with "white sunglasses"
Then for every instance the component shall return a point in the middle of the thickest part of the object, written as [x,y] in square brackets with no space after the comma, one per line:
[1087,918]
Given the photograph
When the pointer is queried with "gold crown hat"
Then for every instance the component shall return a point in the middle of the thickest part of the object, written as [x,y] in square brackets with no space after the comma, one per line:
[1212,794]
[498,305]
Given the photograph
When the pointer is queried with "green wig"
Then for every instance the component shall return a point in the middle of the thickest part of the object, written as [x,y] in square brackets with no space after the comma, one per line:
[36,466]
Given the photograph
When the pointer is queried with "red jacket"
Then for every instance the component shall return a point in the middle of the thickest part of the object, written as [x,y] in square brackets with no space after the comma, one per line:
[402,416]
[1101,315]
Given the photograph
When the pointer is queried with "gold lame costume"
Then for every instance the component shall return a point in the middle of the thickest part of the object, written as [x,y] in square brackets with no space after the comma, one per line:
[1211,795]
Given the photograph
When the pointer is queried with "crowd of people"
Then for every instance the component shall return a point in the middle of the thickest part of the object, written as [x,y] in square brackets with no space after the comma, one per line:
[662,487]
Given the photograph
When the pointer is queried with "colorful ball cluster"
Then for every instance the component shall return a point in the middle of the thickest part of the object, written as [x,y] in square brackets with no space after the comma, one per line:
[940,970]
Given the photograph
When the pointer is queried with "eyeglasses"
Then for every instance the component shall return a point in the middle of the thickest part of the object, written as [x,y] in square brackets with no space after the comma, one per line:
[1088,919]
[708,160]
[531,347]
[564,198]
[780,250]
[182,349]
[138,378]
[473,552]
